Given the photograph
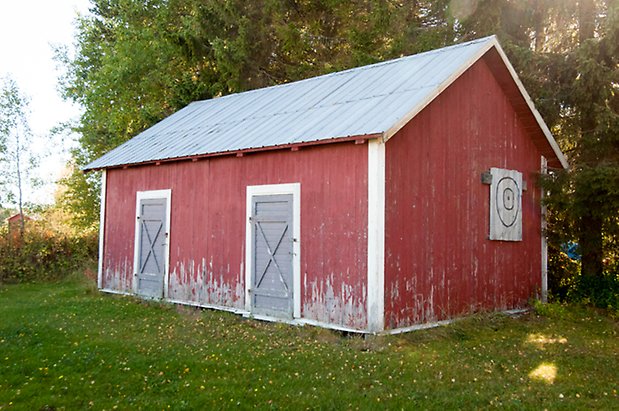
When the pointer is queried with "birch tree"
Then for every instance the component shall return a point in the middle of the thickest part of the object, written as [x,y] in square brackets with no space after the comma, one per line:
[16,159]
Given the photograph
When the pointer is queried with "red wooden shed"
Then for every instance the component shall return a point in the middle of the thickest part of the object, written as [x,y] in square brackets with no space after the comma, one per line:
[380,198]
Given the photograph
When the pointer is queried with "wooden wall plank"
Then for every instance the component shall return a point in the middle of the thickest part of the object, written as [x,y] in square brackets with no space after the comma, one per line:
[208,226]
[439,261]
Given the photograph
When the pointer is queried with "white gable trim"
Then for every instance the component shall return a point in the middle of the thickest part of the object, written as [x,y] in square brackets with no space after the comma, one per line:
[376,236]
[529,101]
[493,42]
[439,90]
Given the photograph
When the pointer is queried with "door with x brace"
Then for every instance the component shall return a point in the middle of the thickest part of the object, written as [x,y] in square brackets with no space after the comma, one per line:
[271,289]
[152,239]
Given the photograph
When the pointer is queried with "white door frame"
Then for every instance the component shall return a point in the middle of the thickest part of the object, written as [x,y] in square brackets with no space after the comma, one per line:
[152,195]
[276,189]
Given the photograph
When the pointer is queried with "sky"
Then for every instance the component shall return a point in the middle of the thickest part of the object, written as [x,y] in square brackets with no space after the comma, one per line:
[28,31]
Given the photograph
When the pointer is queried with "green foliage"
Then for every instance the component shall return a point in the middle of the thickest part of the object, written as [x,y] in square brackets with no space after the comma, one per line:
[566,283]
[562,273]
[81,198]
[551,310]
[567,55]
[599,290]
[5,213]
[42,254]
[138,62]
[65,347]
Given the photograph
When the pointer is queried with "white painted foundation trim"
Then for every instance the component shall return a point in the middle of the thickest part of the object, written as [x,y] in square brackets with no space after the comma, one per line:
[313,323]
[442,323]
[276,189]
[335,327]
[544,268]
[515,311]
[249,315]
[376,236]
[303,322]
[418,327]
[109,291]
[149,195]
[209,306]
[101,228]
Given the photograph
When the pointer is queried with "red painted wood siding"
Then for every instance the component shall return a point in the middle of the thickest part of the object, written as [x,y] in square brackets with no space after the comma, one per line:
[439,262]
[207,239]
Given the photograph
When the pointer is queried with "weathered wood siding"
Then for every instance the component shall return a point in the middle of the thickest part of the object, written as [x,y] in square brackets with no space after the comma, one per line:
[439,262]
[207,230]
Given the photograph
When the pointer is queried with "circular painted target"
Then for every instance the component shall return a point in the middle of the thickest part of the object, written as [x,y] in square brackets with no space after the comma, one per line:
[507,201]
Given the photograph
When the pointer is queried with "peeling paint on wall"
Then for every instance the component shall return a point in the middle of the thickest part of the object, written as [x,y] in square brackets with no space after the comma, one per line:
[118,276]
[198,283]
[441,264]
[207,226]
[345,306]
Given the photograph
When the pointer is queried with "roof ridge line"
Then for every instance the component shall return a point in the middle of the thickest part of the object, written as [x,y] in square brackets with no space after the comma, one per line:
[357,68]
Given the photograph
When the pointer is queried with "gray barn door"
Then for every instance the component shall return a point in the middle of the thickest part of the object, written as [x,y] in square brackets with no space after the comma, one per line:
[152,239]
[271,289]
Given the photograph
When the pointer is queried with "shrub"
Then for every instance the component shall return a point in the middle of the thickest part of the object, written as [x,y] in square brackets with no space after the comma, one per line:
[562,273]
[601,291]
[42,254]
[567,284]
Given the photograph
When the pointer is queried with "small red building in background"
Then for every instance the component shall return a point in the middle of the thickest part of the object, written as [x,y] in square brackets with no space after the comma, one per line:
[379,198]
[14,223]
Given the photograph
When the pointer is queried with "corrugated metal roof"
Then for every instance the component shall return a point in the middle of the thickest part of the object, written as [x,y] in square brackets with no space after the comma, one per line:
[361,101]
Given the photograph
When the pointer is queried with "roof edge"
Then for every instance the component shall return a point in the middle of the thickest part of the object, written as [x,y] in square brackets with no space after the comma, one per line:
[240,153]
[491,41]
[527,98]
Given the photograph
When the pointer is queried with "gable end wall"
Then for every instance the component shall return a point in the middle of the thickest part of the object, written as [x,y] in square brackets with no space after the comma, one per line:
[439,263]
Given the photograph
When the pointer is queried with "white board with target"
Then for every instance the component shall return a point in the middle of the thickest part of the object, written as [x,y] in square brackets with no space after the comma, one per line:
[505,205]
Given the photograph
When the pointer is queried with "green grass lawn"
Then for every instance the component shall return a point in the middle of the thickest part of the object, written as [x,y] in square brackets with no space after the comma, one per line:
[65,346]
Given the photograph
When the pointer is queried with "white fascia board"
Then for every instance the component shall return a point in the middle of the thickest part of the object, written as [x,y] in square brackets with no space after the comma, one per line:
[376,236]
[529,101]
[439,89]
[101,228]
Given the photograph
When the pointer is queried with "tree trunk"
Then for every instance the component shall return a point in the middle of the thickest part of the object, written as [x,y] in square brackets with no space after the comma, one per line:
[591,242]
[22,222]
[590,225]
[586,20]
[539,23]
